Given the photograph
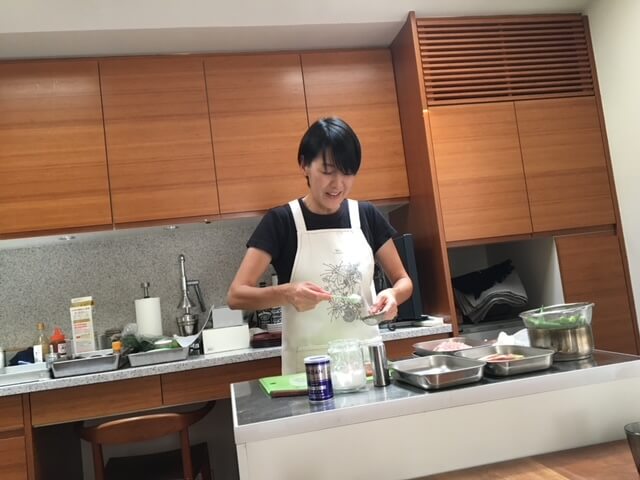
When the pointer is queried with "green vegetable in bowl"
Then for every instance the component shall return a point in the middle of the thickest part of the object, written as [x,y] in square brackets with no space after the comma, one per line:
[573,321]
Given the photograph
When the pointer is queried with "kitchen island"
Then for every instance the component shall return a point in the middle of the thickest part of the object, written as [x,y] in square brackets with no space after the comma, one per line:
[401,432]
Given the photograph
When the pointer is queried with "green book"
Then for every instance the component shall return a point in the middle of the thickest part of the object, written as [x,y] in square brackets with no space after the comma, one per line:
[285,385]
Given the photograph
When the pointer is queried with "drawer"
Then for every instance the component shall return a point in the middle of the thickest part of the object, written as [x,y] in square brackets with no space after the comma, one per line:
[95,401]
[213,383]
[11,413]
[13,459]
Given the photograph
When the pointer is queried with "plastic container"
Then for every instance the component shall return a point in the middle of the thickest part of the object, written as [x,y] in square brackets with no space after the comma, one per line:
[567,315]
[59,343]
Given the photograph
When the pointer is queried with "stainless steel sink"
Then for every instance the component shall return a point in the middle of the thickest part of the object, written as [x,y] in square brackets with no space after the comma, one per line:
[23,373]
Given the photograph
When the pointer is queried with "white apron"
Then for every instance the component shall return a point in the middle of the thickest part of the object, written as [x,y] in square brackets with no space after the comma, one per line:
[340,261]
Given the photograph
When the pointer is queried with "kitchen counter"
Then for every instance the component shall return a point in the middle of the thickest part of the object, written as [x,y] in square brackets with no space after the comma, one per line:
[570,405]
[193,362]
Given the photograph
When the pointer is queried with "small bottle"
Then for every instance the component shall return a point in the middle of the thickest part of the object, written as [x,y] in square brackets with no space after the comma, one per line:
[41,345]
[116,346]
[51,357]
[59,343]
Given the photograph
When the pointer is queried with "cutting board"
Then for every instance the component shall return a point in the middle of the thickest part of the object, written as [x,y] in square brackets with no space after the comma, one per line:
[285,385]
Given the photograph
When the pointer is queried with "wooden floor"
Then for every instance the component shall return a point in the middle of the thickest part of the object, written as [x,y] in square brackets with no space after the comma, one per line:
[607,461]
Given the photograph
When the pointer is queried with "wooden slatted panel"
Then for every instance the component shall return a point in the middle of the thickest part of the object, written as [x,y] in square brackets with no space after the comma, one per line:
[472,60]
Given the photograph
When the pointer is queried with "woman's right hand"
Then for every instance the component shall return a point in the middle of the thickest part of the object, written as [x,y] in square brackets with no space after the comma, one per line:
[306,295]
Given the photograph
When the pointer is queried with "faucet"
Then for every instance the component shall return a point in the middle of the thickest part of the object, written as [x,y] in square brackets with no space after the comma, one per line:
[188,321]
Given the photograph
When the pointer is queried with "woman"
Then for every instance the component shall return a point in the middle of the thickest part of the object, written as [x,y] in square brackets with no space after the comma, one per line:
[322,247]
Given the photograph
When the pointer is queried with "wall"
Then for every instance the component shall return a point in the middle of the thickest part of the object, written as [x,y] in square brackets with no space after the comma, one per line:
[37,282]
[615,35]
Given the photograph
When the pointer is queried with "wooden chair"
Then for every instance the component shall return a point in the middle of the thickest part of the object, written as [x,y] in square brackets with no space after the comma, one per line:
[157,466]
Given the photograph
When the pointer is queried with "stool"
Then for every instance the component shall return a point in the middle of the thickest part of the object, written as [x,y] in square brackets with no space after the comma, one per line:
[157,466]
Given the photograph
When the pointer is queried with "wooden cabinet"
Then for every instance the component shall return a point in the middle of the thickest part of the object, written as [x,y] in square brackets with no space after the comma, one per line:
[592,270]
[158,139]
[359,87]
[258,115]
[53,170]
[564,163]
[511,168]
[479,169]
[95,401]
[13,458]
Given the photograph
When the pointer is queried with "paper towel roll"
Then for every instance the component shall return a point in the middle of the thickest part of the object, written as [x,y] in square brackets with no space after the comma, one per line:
[149,316]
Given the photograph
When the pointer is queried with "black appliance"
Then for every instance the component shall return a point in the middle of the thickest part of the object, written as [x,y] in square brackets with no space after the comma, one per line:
[410,310]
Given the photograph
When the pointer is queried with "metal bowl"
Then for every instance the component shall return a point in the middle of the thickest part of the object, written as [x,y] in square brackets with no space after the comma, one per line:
[568,343]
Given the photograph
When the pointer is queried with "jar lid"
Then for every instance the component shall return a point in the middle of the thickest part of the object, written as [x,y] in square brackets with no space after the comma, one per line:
[316,359]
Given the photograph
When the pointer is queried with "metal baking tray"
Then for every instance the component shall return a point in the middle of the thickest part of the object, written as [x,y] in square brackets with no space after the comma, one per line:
[31,372]
[437,371]
[85,363]
[159,355]
[427,348]
[534,359]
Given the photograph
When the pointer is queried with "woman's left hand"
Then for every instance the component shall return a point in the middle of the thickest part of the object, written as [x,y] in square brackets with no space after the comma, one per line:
[385,303]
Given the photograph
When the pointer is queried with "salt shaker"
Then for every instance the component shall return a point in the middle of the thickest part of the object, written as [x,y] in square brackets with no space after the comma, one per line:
[378,356]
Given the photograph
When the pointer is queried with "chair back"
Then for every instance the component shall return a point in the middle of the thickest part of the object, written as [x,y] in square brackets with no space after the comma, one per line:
[142,428]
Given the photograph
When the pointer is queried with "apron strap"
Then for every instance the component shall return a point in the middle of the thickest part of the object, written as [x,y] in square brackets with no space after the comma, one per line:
[354,214]
[298,218]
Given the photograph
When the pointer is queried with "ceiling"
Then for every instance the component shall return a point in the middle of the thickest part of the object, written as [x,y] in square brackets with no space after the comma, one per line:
[63,28]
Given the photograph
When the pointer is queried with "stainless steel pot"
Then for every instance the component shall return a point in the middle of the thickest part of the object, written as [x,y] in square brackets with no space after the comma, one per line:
[569,343]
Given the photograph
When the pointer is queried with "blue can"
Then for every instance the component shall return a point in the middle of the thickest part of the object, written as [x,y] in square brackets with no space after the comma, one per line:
[319,377]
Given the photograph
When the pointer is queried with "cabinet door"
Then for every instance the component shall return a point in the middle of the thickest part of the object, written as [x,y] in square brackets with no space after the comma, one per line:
[592,270]
[13,458]
[53,170]
[360,88]
[479,168]
[258,116]
[564,163]
[158,139]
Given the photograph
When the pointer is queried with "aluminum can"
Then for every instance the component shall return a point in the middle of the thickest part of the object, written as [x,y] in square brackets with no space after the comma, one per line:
[318,369]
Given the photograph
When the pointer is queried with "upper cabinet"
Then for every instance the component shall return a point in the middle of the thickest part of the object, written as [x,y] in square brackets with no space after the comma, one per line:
[158,139]
[258,115]
[564,163]
[53,171]
[480,179]
[359,87]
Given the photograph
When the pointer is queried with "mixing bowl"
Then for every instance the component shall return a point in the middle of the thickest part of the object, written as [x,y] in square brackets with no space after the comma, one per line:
[564,328]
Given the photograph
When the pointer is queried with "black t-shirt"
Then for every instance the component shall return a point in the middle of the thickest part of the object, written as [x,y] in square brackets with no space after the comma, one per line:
[276,232]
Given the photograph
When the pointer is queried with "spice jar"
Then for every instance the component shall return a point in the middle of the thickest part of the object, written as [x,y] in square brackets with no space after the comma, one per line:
[347,365]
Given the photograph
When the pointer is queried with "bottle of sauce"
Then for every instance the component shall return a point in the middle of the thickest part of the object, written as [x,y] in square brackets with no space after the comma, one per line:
[41,345]
[59,343]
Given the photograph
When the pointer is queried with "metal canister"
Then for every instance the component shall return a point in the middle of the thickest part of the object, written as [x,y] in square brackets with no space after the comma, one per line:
[318,369]
[378,356]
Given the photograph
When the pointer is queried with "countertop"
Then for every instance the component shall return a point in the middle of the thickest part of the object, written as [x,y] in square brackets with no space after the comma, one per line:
[191,363]
[259,417]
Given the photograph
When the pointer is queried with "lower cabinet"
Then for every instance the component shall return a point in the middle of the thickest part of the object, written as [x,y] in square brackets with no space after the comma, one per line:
[592,269]
[13,458]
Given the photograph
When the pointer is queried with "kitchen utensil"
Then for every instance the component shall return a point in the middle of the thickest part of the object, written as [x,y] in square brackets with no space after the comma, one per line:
[534,359]
[437,371]
[285,385]
[86,363]
[632,430]
[159,355]
[378,357]
[429,347]
[568,343]
[354,298]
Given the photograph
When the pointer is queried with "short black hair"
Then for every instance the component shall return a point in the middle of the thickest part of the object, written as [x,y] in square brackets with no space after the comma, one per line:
[334,139]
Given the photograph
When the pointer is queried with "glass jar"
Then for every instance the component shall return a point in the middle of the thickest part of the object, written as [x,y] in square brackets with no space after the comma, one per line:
[347,365]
